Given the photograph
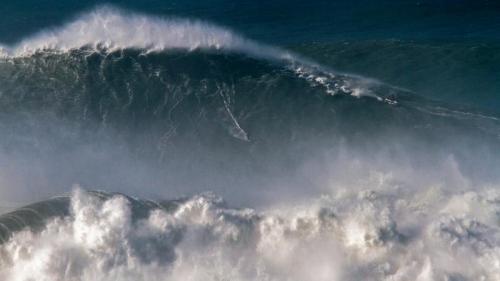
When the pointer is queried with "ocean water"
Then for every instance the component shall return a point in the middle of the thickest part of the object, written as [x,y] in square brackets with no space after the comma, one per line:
[250,140]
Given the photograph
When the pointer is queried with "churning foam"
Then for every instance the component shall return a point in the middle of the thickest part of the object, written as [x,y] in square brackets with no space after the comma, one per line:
[350,236]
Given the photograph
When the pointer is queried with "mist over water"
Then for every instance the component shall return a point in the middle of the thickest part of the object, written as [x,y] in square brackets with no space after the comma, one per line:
[224,158]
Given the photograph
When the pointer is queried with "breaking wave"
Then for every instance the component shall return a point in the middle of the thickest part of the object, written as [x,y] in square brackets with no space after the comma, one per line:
[111,29]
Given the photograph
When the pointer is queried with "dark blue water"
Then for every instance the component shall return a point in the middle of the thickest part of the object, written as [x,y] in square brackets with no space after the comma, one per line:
[282,22]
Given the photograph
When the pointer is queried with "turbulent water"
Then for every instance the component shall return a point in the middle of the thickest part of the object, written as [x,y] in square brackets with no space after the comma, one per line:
[324,159]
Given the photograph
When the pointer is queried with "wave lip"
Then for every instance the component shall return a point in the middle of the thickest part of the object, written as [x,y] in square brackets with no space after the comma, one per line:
[111,28]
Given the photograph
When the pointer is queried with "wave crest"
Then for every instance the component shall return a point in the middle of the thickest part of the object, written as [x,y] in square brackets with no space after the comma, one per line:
[111,28]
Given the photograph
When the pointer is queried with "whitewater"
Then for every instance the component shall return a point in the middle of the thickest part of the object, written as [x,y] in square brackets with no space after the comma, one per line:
[370,235]
[230,159]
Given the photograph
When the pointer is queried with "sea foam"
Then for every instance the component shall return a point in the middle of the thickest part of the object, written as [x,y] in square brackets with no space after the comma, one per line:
[366,235]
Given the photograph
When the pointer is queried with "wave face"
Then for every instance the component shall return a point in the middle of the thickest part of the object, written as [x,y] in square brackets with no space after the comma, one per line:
[350,236]
[233,118]
[347,178]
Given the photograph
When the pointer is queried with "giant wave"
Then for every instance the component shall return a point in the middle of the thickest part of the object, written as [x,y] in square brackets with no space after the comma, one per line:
[349,178]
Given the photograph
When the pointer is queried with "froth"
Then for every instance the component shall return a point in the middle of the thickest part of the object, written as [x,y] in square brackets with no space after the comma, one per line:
[347,236]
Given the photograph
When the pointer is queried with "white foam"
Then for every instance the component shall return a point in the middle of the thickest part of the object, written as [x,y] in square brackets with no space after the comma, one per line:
[363,235]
